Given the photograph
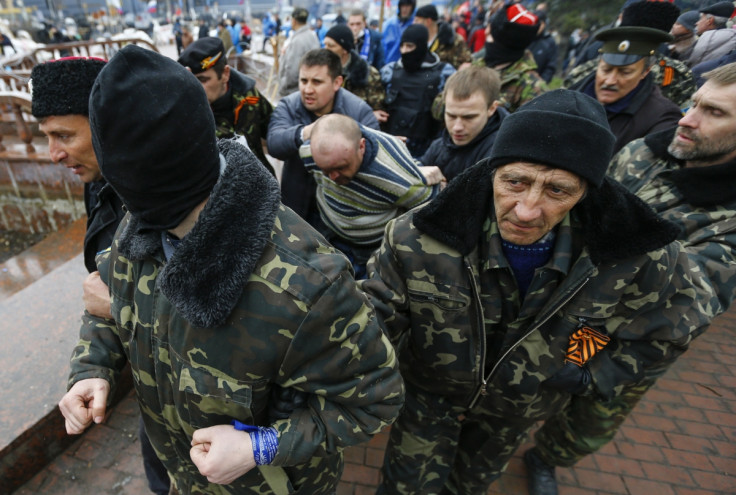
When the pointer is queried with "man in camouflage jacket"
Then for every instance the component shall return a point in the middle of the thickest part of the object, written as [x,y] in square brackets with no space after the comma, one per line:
[214,316]
[485,356]
[238,106]
[689,182]
[449,46]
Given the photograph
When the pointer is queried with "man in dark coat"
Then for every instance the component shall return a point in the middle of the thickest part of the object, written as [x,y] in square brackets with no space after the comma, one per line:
[624,86]
[544,49]
[472,118]
[368,42]
[320,93]
[238,106]
[61,90]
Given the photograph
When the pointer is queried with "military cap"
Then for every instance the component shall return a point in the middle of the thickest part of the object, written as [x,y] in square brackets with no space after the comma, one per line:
[300,15]
[203,54]
[720,9]
[629,44]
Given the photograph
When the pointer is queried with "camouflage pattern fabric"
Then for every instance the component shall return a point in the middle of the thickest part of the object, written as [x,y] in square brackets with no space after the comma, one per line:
[709,238]
[297,321]
[460,318]
[372,93]
[674,78]
[519,82]
[250,115]
[456,53]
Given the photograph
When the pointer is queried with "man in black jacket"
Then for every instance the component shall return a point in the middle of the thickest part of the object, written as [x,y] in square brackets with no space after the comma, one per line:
[472,118]
[622,83]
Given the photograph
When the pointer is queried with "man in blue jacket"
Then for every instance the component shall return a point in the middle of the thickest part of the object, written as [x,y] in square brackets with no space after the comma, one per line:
[394,28]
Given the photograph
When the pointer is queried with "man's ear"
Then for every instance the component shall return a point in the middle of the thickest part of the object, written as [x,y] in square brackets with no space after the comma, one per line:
[226,74]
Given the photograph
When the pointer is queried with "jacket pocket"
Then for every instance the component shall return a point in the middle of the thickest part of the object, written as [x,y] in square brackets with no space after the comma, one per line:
[207,399]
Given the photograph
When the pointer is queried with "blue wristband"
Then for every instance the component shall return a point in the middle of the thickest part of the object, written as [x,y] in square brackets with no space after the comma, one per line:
[265,441]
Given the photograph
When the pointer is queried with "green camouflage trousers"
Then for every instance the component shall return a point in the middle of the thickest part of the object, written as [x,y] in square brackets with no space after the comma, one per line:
[585,425]
[436,448]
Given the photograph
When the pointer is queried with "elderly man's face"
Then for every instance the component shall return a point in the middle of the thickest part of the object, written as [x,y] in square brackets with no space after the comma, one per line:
[338,158]
[706,135]
[614,82]
[531,199]
[70,144]
[704,23]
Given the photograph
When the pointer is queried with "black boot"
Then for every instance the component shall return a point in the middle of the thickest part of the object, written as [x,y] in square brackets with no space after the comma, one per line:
[540,476]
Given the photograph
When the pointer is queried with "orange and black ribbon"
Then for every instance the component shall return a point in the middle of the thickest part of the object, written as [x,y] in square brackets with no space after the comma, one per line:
[584,344]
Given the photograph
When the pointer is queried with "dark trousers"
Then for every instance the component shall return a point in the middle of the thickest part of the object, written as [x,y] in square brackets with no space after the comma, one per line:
[158,478]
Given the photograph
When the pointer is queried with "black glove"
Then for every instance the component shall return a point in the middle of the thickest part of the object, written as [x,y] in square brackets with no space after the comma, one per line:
[571,378]
[285,401]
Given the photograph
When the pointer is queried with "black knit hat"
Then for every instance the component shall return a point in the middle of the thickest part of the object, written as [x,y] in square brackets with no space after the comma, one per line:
[514,27]
[720,9]
[342,35]
[154,136]
[62,87]
[562,129]
[657,15]
[203,54]
[427,12]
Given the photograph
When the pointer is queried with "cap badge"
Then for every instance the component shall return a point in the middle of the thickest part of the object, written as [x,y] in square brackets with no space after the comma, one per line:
[624,46]
[210,61]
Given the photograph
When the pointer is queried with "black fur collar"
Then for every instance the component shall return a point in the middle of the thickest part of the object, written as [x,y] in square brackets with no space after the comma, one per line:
[700,186]
[616,223]
[205,277]
[357,70]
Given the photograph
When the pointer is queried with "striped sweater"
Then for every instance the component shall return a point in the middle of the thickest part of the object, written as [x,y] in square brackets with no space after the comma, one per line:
[388,183]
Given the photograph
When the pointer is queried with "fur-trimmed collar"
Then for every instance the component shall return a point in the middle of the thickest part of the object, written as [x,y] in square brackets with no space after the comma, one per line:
[700,186]
[356,71]
[616,223]
[206,275]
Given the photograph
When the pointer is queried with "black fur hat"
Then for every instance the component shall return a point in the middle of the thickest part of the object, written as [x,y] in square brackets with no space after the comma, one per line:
[62,87]
[657,15]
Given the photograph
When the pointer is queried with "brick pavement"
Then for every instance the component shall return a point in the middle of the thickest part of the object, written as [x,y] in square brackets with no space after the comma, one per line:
[680,440]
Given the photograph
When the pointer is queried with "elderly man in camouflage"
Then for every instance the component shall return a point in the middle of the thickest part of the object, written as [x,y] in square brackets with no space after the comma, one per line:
[530,279]
[220,296]
[686,174]
[238,106]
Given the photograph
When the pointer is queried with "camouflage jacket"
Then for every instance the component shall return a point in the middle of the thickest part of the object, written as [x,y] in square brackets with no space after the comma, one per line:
[674,78]
[211,332]
[448,299]
[364,81]
[450,46]
[519,82]
[702,201]
[244,110]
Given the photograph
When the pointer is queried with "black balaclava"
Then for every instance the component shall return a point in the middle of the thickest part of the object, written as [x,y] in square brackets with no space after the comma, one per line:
[154,136]
[419,35]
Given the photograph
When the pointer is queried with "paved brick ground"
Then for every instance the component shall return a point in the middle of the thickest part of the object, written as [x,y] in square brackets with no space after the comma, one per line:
[681,440]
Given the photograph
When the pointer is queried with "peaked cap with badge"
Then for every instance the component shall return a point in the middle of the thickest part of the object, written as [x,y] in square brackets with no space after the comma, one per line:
[203,54]
[629,44]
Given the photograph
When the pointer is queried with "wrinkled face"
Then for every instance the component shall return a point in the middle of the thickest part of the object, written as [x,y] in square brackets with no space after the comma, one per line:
[614,82]
[706,135]
[356,23]
[407,47]
[70,144]
[464,119]
[213,86]
[530,200]
[338,159]
[705,23]
[332,46]
[318,89]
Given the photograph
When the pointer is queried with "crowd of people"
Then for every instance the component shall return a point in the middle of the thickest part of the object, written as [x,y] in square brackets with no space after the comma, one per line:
[452,248]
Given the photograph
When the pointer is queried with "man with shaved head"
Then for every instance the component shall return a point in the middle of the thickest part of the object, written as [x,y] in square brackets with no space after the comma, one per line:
[364,179]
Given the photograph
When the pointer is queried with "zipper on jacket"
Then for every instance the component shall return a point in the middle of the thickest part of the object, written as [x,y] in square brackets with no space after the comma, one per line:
[483,389]
[485,380]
